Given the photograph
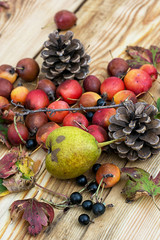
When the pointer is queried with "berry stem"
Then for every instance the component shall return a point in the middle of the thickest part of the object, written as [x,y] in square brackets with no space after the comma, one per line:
[15,125]
[103,144]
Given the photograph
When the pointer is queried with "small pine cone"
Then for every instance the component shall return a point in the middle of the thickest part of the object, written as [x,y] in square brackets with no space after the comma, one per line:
[136,122]
[64,58]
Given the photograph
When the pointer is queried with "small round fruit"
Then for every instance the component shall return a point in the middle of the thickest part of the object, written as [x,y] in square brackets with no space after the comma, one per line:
[102,116]
[58,116]
[65,19]
[92,187]
[89,99]
[95,167]
[91,84]
[89,116]
[117,67]
[75,119]
[107,169]
[75,198]
[121,96]
[98,132]
[4,103]
[101,102]
[84,219]
[151,70]
[36,99]
[44,131]
[27,69]
[48,87]
[111,86]
[81,180]
[13,136]
[34,121]
[87,205]
[137,81]
[98,208]
[31,144]
[5,88]
[8,72]
[19,94]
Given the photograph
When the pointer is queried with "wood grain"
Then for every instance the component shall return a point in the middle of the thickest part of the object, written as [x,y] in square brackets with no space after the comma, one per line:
[102,25]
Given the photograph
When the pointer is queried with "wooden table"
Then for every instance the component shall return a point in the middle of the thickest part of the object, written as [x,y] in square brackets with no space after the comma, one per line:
[102,25]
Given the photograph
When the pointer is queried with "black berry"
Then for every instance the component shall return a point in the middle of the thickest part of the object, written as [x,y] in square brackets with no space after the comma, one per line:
[31,144]
[84,219]
[87,205]
[101,102]
[92,187]
[89,116]
[98,208]
[75,198]
[95,167]
[81,180]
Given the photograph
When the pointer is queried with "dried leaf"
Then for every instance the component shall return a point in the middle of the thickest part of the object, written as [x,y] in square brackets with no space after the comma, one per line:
[17,183]
[140,183]
[141,56]
[36,213]
[25,166]
[7,164]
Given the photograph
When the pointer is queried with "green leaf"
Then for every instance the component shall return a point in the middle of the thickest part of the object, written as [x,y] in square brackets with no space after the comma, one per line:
[140,183]
[2,188]
[158,104]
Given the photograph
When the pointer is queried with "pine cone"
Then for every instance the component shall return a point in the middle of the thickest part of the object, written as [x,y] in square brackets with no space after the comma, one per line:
[64,58]
[142,131]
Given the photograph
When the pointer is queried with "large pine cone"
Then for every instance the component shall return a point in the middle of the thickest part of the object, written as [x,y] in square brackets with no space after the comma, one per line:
[142,131]
[64,58]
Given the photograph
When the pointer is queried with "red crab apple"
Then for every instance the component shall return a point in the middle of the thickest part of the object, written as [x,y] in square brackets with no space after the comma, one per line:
[65,19]
[102,116]
[123,95]
[57,116]
[36,99]
[34,121]
[117,67]
[4,103]
[5,87]
[98,132]
[111,86]
[137,81]
[89,99]
[8,72]
[48,87]
[151,70]
[75,119]
[70,90]
[13,136]
[91,84]
[27,69]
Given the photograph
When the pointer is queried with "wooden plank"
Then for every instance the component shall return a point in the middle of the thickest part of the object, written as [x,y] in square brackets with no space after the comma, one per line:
[103,26]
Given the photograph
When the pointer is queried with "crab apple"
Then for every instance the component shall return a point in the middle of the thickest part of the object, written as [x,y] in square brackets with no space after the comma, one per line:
[137,81]
[58,116]
[8,72]
[44,131]
[102,116]
[89,99]
[34,121]
[91,84]
[117,67]
[65,19]
[19,94]
[4,103]
[5,87]
[111,86]
[121,96]
[151,70]
[13,136]
[27,69]
[70,90]
[111,174]
[36,99]
[48,87]
[8,115]
[75,119]
[98,132]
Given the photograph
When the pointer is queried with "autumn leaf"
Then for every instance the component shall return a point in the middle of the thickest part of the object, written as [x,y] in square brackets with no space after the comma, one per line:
[3,189]
[36,213]
[141,56]
[25,166]
[3,133]
[7,164]
[140,183]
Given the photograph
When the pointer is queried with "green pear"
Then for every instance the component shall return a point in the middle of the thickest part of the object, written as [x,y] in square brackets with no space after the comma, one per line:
[71,152]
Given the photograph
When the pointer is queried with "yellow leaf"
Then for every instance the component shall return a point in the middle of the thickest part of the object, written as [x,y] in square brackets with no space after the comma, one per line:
[4,193]
[25,166]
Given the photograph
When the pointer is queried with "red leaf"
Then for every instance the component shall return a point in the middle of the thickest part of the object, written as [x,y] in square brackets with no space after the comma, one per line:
[7,164]
[36,213]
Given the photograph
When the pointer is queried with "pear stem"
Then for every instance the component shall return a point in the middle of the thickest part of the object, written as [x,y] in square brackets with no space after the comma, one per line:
[103,144]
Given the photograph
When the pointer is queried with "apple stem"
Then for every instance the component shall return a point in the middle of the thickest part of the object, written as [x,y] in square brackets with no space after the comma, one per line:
[103,144]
